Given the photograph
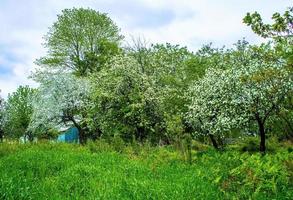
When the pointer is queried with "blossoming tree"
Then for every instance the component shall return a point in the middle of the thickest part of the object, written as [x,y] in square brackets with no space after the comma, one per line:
[253,92]
[61,100]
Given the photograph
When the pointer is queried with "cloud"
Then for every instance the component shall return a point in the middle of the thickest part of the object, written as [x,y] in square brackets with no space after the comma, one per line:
[190,23]
[219,22]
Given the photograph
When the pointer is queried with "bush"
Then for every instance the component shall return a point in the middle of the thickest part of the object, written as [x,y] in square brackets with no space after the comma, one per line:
[198,146]
[118,144]
[250,144]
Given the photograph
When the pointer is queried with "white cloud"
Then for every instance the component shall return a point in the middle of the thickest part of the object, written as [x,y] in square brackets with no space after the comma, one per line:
[190,23]
[208,21]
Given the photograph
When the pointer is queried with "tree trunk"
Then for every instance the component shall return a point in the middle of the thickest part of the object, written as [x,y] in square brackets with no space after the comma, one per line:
[1,135]
[214,142]
[140,134]
[220,142]
[30,137]
[262,145]
[81,133]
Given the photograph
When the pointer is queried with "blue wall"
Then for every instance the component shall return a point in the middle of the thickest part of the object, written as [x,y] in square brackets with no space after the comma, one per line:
[71,135]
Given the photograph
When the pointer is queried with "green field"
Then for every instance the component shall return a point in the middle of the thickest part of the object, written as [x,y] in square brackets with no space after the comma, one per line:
[99,171]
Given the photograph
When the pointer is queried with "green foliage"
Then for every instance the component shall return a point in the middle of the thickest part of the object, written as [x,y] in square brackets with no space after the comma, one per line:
[161,92]
[171,68]
[249,144]
[262,176]
[18,113]
[125,102]
[81,40]
[281,31]
[143,107]
[184,144]
[118,143]
[253,88]
[9,148]
[281,26]
[198,146]
[246,176]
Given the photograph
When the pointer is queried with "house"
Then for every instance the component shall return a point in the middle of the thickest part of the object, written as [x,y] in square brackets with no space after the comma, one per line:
[70,135]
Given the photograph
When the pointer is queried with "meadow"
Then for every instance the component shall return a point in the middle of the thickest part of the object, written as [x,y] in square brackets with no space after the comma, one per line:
[103,170]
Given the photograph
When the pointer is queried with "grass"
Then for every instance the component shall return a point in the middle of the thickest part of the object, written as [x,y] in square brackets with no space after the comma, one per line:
[100,171]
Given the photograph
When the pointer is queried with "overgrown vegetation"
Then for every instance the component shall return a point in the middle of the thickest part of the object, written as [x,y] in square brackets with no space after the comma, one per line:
[147,116]
[107,170]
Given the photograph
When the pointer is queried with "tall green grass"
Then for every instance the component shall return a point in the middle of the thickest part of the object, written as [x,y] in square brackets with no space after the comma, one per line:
[103,171]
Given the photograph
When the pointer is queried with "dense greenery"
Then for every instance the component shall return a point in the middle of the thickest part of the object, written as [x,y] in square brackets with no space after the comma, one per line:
[159,93]
[81,40]
[108,171]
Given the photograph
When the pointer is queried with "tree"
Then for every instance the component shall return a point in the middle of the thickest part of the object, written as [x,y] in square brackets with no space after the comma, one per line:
[213,104]
[61,100]
[171,68]
[210,112]
[18,112]
[125,102]
[82,40]
[253,90]
[265,85]
[281,32]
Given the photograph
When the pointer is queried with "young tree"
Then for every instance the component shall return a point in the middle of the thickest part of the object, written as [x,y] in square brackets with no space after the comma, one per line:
[18,112]
[61,99]
[81,40]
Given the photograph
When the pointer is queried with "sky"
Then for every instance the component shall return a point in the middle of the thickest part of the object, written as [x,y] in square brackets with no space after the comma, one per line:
[191,23]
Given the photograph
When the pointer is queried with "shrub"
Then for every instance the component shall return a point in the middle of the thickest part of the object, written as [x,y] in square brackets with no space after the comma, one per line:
[99,145]
[250,144]
[198,146]
[259,177]
[118,144]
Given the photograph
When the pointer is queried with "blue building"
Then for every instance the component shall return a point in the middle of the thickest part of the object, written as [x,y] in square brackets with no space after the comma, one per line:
[71,136]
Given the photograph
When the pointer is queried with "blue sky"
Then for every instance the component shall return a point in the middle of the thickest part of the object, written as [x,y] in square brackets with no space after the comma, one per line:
[190,23]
